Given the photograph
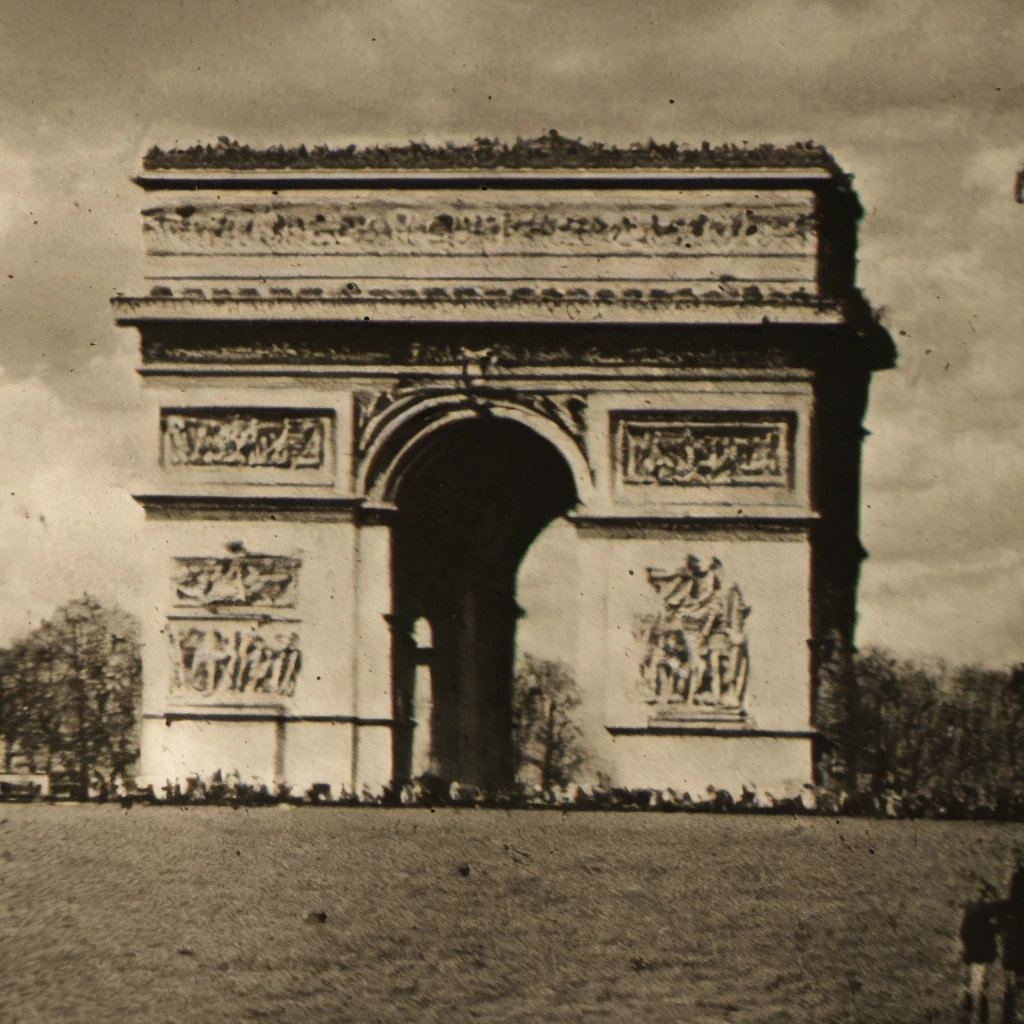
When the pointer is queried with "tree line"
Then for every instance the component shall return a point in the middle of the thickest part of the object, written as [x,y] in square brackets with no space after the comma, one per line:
[917,738]
[896,735]
[70,693]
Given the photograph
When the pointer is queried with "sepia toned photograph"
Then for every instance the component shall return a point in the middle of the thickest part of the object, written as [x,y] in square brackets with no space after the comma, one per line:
[510,511]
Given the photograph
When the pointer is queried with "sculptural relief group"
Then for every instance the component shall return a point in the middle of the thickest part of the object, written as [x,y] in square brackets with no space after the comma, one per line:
[235,439]
[683,454]
[696,652]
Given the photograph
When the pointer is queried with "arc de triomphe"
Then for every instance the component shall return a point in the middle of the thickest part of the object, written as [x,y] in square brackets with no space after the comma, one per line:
[375,376]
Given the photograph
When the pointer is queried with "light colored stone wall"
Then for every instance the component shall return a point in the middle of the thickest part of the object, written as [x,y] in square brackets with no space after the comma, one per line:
[173,751]
[689,764]
[322,620]
[343,585]
[688,474]
[617,607]
[773,577]
[240,402]
[655,244]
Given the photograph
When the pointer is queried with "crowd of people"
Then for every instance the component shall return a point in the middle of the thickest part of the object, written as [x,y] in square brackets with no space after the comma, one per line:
[822,799]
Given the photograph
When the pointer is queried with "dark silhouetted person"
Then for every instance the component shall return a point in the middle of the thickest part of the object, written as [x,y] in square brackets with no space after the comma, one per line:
[1013,941]
[979,931]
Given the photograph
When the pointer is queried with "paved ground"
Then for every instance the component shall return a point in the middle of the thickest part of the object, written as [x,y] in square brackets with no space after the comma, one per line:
[366,915]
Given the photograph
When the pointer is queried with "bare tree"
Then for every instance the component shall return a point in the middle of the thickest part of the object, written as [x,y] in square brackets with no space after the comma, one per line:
[547,739]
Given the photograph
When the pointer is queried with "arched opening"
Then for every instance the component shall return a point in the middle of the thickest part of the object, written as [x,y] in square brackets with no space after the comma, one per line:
[472,497]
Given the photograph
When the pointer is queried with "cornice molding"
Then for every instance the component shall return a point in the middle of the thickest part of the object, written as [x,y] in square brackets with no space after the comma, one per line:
[243,506]
[784,522]
[718,731]
[627,307]
[199,180]
[271,715]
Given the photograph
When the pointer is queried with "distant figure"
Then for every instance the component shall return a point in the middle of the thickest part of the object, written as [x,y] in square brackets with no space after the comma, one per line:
[1013,940]
[978,932]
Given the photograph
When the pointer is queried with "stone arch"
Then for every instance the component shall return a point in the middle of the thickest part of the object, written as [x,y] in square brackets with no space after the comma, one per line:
[470,496]
[397,441]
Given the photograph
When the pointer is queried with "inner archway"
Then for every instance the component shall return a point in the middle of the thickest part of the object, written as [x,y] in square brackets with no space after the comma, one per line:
[471,499]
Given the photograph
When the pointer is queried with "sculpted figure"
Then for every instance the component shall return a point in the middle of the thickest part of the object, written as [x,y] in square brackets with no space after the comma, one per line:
[251,441]
[210,660]
[697,646]
[239,580]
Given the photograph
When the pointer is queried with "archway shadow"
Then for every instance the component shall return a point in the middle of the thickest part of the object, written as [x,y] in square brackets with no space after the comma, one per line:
[471,500]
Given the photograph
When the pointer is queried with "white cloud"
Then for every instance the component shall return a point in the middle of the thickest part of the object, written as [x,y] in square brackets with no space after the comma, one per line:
[67,523]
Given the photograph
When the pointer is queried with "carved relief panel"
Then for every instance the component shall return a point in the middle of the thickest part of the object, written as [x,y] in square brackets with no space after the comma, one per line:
[696,656]
[725,449]
[704,626]
[739,456]
[235,640]
[234,659]
[659,223]
[275,445]
[239,580]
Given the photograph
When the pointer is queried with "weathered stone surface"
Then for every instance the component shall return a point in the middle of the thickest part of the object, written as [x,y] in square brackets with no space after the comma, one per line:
[690,344]
[697,655]
[373,410]
[236,438]
[551,150]
[245,580]
[217,659]
[656,225]
[675,451]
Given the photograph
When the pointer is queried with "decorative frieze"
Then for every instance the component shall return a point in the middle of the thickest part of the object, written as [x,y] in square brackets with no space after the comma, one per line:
[667,295]
[724,450]
[286,344]
[257,439]
[236,581]
[659,225]
[696,658]
[217,659]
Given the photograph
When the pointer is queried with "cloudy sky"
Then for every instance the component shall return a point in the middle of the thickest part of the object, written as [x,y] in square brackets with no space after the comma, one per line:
[922,101]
